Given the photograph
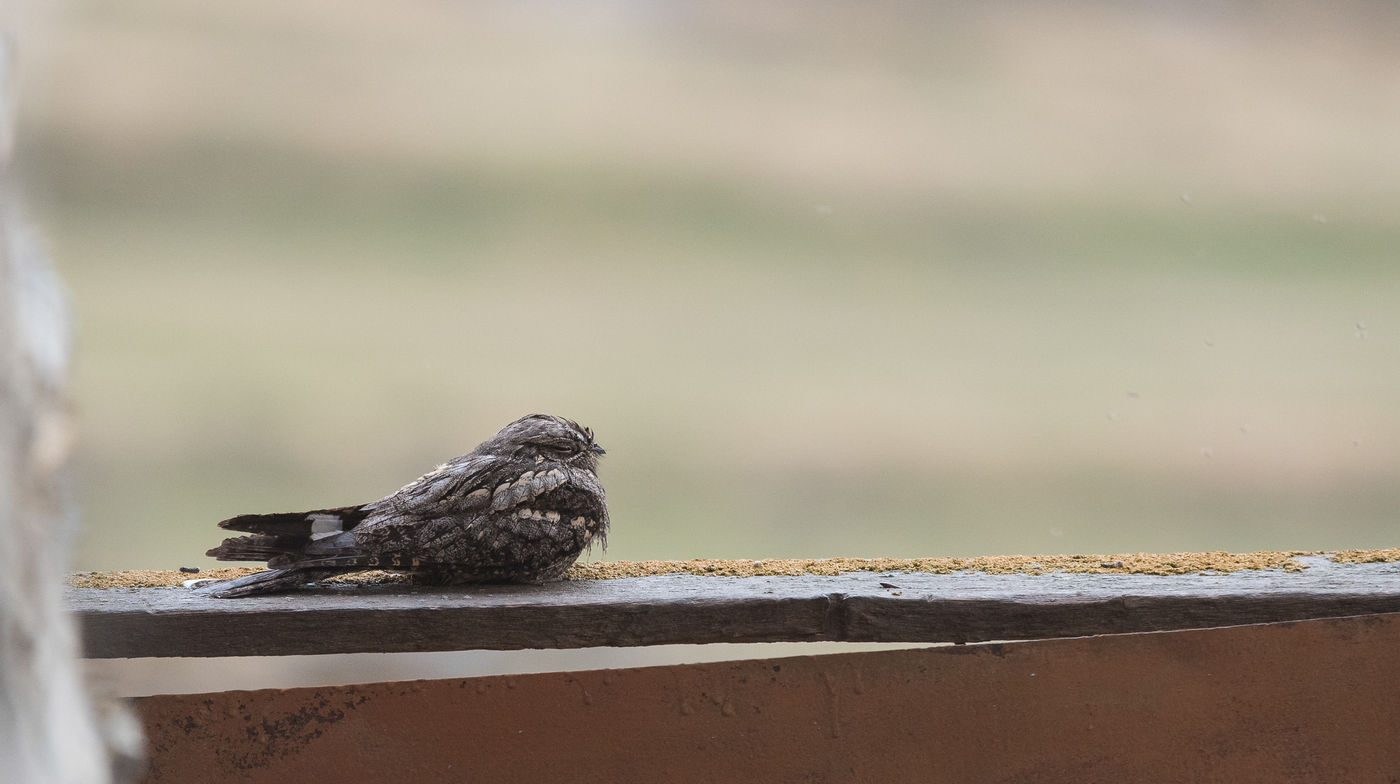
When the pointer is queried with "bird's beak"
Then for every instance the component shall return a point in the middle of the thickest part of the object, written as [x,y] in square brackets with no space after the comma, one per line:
[598,448]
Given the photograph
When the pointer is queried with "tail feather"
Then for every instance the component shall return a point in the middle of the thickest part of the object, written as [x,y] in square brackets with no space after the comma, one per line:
[280,538]
[307,524]
[271,581]
[299,573]
[299,548]
[257,547]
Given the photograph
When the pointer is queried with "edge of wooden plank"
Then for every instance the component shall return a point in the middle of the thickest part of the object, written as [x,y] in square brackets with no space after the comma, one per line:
[683,608]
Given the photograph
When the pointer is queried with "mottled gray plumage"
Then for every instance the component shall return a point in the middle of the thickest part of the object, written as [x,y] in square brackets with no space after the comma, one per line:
[521,507]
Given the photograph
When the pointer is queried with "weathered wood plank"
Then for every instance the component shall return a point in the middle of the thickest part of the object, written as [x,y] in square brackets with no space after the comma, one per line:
[682,608]
[1316,701]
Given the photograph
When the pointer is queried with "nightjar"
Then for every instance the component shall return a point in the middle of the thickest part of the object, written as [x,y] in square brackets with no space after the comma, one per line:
[521,508]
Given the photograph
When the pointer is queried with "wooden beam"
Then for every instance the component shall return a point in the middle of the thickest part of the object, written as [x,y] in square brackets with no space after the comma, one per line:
[684,608]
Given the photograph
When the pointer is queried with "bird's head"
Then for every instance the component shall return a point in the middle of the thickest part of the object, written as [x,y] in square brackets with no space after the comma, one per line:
[551,437]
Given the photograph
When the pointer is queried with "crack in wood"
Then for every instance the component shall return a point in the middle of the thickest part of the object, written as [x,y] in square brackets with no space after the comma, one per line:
[835,622]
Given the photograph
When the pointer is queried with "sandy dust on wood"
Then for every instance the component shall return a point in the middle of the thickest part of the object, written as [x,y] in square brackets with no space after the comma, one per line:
[1123,563]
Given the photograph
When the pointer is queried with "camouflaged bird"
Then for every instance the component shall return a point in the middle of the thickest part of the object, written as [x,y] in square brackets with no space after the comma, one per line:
[520,508]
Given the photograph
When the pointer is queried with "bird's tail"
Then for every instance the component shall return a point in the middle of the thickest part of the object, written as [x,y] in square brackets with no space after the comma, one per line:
[270,581]
[280,539]
[305,571]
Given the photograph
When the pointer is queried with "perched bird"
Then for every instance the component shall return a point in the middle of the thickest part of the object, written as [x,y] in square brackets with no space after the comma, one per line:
[520,508]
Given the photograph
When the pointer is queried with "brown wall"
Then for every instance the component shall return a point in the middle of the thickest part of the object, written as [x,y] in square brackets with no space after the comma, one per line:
[1306,701]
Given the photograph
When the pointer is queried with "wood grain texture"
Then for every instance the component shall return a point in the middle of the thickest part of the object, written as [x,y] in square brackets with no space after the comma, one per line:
[1314,701]
[682,608]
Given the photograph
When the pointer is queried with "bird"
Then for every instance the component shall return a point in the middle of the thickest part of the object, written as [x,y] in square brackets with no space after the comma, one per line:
[519,508]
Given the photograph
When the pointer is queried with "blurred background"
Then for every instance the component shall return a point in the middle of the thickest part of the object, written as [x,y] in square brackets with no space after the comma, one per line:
[899,279]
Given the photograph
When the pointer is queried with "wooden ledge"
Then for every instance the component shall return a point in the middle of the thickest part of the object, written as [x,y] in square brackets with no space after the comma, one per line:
[962,606]
[1124,563]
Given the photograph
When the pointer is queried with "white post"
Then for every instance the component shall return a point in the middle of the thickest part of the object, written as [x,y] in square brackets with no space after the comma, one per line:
[49,731]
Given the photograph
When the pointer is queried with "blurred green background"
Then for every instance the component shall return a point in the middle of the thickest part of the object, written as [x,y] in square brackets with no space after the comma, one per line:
[826,279]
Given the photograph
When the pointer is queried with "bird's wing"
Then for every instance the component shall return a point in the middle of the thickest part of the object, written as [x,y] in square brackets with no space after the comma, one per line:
[447,486]
[467,485]
[472,492]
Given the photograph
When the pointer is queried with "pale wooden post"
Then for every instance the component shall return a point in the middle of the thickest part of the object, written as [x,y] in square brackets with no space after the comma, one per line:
[49,731]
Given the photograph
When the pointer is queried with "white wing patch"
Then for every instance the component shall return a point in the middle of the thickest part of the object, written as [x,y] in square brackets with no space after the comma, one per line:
[323,525]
